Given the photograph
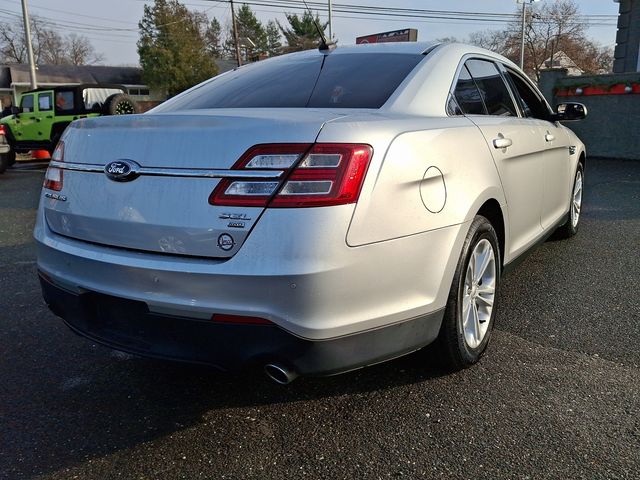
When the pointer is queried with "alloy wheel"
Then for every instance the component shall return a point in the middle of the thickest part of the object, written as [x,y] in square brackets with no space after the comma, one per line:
[479,293]
[576,200]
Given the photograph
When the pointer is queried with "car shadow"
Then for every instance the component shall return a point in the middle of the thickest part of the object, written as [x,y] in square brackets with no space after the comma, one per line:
[84,401]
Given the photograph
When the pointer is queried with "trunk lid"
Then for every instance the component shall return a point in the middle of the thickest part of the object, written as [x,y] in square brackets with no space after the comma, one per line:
[167,213]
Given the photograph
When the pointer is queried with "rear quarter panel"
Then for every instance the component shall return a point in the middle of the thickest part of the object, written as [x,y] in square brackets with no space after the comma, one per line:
[430,174]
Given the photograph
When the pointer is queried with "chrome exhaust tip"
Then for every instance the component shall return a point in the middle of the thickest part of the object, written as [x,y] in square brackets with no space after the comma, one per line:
[280,374]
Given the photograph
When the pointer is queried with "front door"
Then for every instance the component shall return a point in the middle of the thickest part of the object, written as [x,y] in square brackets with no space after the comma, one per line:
[558,176]
[26,120]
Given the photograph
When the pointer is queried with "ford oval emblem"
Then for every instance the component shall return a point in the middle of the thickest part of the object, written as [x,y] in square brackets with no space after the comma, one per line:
[122,170]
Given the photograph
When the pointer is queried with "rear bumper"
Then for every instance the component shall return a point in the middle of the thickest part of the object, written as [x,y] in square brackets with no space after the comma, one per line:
[129,326]
[299,275]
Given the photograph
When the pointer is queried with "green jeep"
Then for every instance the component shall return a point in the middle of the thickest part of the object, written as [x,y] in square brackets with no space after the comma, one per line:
[44,113]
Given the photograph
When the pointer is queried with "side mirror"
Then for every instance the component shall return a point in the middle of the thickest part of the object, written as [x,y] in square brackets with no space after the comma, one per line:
[15,110]
[570,112]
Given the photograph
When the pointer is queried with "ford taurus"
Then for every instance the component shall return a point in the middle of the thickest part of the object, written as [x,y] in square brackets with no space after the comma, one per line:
[311,213]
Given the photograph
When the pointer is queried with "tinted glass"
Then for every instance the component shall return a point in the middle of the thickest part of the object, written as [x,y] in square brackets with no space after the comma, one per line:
[492,87]
[64,101]
[532,104]
[467,94]
[26,102]
[362,80]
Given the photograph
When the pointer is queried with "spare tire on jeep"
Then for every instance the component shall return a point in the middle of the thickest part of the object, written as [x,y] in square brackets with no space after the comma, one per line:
[119,104]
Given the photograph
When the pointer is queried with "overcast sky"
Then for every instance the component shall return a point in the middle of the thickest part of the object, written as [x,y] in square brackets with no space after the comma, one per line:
[112,25]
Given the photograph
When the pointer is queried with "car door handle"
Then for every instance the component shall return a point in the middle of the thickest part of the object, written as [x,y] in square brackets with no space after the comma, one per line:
[502,142]
[549,138]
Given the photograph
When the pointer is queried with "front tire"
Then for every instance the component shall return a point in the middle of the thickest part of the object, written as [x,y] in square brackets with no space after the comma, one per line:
[570,228]
[11,157]
[470,312]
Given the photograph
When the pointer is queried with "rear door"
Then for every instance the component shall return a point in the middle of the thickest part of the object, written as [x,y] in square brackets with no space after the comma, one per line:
[45,115]
[516,144]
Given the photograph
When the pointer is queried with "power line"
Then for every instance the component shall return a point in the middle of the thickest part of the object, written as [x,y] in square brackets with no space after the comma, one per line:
[71,13]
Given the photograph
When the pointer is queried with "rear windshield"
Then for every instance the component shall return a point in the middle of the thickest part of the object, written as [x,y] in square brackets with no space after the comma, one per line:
[362,80]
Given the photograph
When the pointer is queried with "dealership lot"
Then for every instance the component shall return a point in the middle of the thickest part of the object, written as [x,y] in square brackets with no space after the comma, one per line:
[556,396]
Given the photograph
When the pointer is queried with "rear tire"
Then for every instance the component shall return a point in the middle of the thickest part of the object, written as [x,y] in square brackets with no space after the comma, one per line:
[470,312]
[570,228]
[120,104]
[4,163]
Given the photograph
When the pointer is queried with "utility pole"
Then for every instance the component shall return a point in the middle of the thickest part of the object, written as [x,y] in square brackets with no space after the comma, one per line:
[27,34]
[235,34]
[524,21]
[330,22]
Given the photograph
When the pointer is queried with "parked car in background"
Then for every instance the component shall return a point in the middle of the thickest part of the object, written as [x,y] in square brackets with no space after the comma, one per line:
[5,150]
[312,213]
[43,114]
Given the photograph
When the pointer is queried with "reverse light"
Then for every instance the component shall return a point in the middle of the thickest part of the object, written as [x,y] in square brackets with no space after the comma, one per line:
[315,175]
[53,176]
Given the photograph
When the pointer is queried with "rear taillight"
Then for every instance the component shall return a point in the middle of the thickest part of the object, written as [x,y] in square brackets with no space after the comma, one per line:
[255,192]
[3,130]
[53,177]
[316,175]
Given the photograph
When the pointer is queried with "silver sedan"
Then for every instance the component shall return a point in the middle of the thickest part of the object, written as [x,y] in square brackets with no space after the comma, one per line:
[311,213]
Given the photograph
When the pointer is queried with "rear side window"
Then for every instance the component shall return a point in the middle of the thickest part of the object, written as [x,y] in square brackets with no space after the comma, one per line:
[44,102]
[64,101]
[359,80]
[494,91]
[467,94]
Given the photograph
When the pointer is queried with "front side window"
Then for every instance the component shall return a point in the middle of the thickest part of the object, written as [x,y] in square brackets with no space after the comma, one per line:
[532,105]
[492,87]
[44,102]
[350,80]
[26,103]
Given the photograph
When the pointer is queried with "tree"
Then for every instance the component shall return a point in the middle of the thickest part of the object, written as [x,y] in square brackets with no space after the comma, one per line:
[550,27]
[80,51]
[49,47]
[173,48]
[302,33]
[12,46]
[274,44]
[213,36]
[251,36]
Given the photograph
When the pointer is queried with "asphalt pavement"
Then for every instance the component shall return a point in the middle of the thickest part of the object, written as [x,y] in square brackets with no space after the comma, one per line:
[556,396]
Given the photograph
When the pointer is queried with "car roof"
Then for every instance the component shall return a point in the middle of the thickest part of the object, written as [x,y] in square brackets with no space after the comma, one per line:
[387,47]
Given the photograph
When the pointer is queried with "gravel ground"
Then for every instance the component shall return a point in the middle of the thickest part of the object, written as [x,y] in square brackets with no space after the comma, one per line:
[556,396]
